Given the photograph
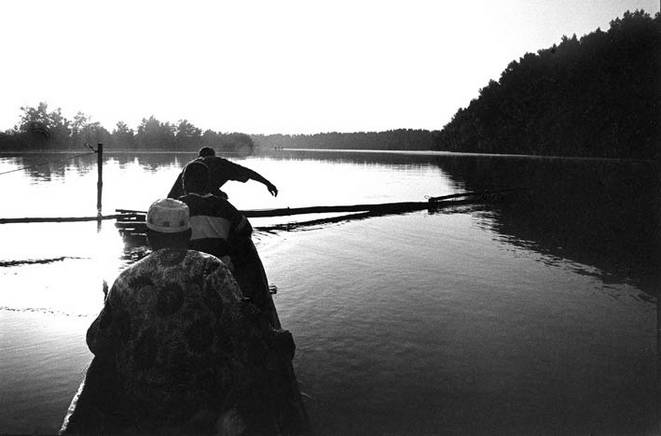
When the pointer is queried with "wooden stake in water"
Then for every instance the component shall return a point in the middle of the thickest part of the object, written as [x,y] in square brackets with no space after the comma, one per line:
[658,362]
[99,182]
[658,349]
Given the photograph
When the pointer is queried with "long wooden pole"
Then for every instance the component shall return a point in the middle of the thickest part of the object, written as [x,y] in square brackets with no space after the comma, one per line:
[403,206]
[287,211]
[658,358]
[138,215]
[56,219]
[99,182]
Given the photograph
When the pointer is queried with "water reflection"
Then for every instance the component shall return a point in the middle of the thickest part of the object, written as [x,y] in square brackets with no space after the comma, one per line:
[151,161]
[597,213]
[408,323]
[46,167]
[603,214]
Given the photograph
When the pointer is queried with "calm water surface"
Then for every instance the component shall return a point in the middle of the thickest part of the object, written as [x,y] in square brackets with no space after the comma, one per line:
[534,314]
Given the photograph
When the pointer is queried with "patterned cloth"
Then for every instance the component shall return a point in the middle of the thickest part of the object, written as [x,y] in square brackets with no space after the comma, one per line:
[181,343]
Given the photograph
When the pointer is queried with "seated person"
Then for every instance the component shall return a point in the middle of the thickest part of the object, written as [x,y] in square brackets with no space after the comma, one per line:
[178,351]
[219,229]
[220,171]
[213,219]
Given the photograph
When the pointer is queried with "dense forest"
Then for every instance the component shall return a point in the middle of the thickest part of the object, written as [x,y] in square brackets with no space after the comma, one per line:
[599,95]
[41,129]
[400,139]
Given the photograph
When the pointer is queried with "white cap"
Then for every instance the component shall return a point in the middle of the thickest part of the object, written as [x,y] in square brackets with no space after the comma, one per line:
[168,216]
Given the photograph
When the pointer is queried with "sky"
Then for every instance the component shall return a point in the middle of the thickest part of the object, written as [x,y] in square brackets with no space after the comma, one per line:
[275,66]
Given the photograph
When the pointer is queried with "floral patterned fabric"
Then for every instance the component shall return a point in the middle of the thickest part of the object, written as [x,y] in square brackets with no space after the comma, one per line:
[177,343]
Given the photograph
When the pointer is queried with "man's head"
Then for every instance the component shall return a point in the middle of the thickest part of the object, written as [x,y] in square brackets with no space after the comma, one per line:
[168,224]
[196,178]
[206,152]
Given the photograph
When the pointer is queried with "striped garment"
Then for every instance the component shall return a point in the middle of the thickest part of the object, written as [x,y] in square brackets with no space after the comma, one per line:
[214,223]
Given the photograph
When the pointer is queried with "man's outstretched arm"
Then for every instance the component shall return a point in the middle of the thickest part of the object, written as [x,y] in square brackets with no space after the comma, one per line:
[254,175]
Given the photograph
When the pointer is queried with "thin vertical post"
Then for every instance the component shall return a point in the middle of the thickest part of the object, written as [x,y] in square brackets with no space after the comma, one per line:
[99,182]
[658,360]
[658,343]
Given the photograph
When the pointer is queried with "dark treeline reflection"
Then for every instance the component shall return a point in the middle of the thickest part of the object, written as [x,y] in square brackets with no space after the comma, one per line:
[601,213]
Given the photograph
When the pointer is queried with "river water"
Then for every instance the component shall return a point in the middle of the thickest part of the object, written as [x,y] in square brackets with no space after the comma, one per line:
[531,314]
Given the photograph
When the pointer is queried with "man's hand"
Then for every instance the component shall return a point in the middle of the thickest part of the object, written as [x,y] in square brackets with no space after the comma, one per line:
[272,189]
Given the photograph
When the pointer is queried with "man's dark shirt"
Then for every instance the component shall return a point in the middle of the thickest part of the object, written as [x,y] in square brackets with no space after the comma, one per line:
[220,171]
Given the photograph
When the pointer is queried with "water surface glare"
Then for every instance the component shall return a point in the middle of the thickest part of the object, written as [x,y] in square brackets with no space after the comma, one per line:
[527,316]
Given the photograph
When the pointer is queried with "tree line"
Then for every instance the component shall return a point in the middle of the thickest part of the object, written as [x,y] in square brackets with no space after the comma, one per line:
[594,96]
[42,129]
[399,139]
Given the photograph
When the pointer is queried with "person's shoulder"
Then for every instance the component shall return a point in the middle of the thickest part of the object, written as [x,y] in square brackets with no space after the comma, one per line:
[158,261]
[204,264]
[199,256]
[215,273]
[138,266]
[214,160]
[165,265]
[133,273]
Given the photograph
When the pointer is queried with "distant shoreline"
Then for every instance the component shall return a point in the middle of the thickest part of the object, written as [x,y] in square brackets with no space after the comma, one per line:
[195,152]
[458,153]
[336,150]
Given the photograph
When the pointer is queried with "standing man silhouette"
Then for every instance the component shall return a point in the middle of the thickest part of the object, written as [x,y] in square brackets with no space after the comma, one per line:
[220,171]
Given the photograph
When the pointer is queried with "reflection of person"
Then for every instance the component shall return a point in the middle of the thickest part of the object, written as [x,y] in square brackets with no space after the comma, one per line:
[219,229]
[220,171]
[178,350]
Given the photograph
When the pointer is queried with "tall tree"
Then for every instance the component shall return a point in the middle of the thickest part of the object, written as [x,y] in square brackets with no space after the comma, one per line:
[187,136]
[154,134]
[123,136]
[42,127]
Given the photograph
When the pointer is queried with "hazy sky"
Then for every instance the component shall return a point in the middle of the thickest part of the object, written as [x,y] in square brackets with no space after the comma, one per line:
[275,66]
